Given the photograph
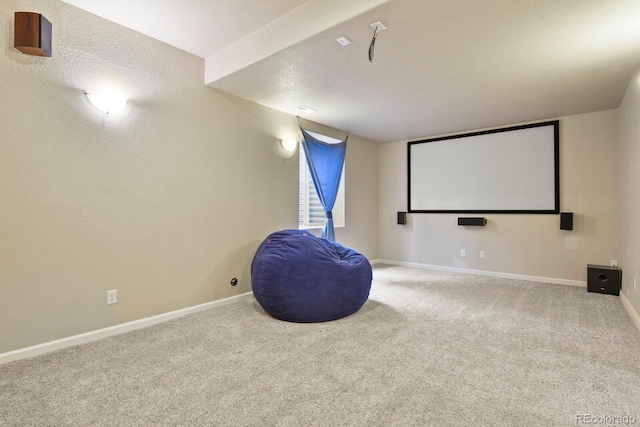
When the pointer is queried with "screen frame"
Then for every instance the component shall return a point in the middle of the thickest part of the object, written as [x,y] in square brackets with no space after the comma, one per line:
[556,167]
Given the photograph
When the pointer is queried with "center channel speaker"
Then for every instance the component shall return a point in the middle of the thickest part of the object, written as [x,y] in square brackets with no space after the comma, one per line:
[472,221]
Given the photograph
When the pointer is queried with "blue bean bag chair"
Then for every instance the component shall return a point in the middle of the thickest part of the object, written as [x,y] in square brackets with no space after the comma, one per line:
[298,277]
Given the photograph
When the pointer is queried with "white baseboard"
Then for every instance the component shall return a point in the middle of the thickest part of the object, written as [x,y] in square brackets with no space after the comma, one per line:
[36,350]
[485,273]
[632,311]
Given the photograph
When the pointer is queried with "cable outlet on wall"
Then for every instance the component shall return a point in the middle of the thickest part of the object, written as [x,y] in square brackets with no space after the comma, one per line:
[112,296]
[481,254]
[462,252]
[613,263]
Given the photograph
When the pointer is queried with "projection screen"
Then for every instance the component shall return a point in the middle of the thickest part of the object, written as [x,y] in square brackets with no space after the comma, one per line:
[508,170]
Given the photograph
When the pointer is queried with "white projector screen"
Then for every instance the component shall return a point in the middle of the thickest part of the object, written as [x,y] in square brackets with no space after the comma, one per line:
[508,170]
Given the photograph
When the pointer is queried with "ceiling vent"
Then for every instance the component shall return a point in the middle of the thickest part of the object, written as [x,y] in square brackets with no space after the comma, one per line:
[343,41]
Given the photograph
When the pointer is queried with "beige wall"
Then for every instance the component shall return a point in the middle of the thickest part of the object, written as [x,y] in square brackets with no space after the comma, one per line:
[530,245]
[165,203]
[630,190]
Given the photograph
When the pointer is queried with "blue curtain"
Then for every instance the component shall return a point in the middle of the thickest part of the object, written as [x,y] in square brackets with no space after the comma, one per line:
[325,162]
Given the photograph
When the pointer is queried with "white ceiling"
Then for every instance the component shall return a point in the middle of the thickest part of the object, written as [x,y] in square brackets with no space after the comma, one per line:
[441,66]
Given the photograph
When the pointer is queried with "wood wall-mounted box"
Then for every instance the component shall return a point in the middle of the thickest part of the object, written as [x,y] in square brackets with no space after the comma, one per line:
[32,34]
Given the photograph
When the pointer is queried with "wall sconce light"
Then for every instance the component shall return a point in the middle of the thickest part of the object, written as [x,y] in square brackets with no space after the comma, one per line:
[107,100]
[289,145]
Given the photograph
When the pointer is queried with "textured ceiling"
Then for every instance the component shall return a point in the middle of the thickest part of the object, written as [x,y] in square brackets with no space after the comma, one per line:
[200,27]
[440,67]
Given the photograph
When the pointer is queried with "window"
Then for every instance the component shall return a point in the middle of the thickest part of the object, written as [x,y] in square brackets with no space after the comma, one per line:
[310,212]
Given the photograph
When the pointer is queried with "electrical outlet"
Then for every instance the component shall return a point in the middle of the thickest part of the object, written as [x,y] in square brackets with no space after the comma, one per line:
[613,263]
[634,284]
[481,254]
[112,296]
[463,253]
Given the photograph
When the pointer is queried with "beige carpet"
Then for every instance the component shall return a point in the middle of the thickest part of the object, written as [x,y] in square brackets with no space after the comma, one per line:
[427,349]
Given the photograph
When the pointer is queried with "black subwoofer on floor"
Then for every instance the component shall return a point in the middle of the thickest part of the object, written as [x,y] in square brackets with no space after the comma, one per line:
[603,279]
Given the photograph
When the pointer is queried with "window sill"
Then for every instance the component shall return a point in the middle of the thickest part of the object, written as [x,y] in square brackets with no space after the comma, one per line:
[318,227]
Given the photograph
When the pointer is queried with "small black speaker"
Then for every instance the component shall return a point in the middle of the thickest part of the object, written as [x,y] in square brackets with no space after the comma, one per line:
[402,218]
[472,221]
[566,221]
